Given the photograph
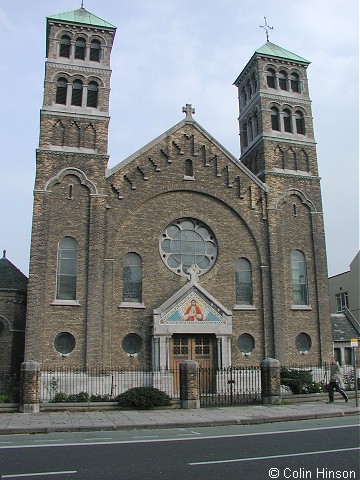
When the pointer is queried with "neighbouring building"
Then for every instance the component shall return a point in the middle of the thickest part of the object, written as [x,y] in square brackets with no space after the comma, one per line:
[344,304]
[181,251]
[13,292]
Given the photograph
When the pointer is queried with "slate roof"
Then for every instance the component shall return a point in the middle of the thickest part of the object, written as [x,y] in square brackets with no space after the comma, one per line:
[344,328]
[11,278]
[81,16]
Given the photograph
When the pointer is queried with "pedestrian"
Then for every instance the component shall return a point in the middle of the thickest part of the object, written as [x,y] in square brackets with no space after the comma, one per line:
[335,381]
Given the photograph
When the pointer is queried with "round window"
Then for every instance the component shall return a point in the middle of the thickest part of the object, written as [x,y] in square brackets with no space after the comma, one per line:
[64,343]
[186,243]
[246,343]
[303,342]
[132,343]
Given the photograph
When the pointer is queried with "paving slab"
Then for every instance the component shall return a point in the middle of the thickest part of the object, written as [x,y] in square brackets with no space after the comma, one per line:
[64,421]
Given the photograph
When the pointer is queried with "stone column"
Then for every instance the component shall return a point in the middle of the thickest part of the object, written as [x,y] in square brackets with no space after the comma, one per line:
[189,384]
[270,381]
[30,387]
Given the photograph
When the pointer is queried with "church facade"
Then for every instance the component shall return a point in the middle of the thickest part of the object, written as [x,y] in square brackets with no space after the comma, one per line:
[181,251]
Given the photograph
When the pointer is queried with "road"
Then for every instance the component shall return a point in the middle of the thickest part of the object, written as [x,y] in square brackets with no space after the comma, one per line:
[316,449]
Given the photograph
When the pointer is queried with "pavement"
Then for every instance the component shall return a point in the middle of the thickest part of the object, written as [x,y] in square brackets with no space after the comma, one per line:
[66,421]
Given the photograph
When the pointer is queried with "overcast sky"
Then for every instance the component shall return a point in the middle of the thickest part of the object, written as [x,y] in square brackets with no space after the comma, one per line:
[171,52]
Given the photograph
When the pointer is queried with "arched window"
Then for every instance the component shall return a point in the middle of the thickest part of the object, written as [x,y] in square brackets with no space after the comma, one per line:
[245,135]
[189,172]
[283,80]
[254,83]
[300,123]
[80,45]
[66,269]
[295,82]
[299,278]
[287,120]
[248,90]
[95,51]
[250,132]
[255,125]
[243,282]
[275,119]
[132,278]
[243,97]
[270,78]
[92,95]
[61,91]
[77,90]
[65,47]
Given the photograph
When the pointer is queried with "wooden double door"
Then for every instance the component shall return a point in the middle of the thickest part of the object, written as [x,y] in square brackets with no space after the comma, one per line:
[200,348]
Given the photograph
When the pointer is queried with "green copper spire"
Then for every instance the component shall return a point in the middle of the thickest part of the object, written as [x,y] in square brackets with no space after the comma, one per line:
[81,16]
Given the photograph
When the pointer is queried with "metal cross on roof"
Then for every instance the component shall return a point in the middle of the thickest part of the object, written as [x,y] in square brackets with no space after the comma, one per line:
[82,3]
[266,27]
[189,110]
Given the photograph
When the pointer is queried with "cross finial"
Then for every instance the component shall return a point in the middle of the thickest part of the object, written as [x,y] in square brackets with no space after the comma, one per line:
[194,271]
[4,253]
[189,110]
[82,3]
[266,27]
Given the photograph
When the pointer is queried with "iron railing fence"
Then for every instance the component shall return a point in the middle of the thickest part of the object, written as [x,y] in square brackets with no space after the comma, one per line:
[230,386]
[98,384]
[218,387]
[9,385]
[227,386]
[314,378]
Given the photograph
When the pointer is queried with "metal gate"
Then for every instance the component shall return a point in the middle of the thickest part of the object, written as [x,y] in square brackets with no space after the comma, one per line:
[230,386]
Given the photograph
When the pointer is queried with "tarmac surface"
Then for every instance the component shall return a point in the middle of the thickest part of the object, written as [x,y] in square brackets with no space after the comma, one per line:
[67,421]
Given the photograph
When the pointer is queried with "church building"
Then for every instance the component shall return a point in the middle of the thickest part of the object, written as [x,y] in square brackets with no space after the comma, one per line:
[181,251]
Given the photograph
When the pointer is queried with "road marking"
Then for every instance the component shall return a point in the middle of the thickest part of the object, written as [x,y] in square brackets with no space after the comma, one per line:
[56,440]
[99,438]
[145,436]
[6,442]
[148,440]
[275,456]
[39,474]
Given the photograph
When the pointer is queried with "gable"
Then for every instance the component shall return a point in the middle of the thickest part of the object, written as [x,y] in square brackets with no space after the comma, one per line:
[164,158]
[192,309]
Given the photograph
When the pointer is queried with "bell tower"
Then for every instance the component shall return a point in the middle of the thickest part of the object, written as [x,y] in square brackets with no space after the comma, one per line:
[278,146]
[67,244]
[75,111]
[275,119]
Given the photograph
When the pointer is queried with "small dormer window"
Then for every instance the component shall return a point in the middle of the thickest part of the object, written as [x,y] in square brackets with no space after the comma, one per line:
[80,49]
[95,51]
[65,47]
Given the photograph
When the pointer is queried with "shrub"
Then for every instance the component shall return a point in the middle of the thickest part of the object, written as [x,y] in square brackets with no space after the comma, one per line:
[59,397]
[299,381]
[143,398]
[100,398]
[82,397]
